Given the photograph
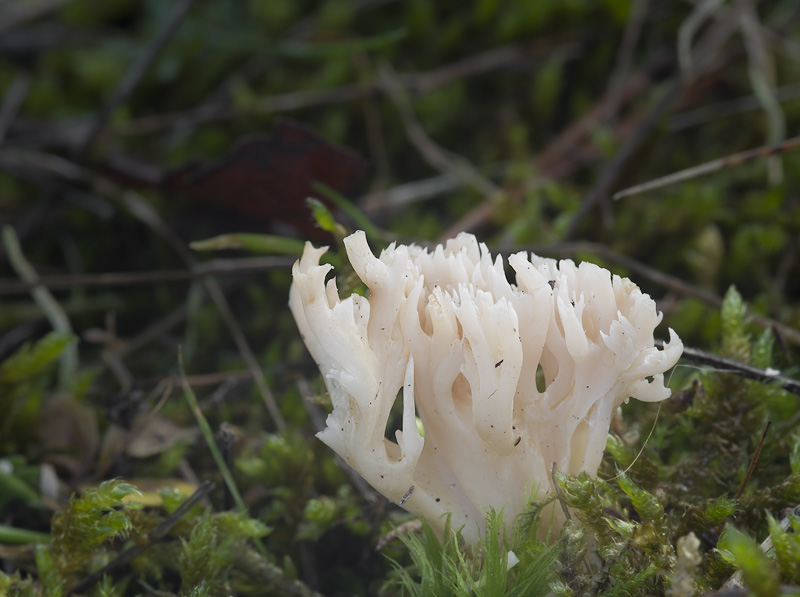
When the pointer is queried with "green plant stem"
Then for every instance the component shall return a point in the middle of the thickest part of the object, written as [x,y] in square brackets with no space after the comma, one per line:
[208,435]
[21,536]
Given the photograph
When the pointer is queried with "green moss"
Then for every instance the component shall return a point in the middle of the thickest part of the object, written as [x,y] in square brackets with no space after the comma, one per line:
[445,567]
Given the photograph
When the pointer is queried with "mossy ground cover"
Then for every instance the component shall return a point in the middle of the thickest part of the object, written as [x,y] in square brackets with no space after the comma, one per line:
[157,406]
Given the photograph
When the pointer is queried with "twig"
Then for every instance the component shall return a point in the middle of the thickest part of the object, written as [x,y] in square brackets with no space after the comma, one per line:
[218,267]
[753,461]
[135,73]
[204,379]
[218,377]
[727,365]
[154,331]
[732,160]
[156,535]
[411,192]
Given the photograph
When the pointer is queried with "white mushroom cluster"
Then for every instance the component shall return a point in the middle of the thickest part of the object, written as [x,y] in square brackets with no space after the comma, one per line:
[507,378]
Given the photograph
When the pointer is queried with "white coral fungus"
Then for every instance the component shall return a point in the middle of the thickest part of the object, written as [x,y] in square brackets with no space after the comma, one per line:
[464,345]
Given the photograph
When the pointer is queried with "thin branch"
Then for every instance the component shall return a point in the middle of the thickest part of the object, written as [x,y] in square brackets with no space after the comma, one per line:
[732,160]
[753,462]
[412,192]
[218,267]
[154,331]
[727,365]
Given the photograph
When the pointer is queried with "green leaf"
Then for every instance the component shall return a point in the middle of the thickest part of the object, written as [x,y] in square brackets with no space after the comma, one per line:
[29,360]
[758,571]
[22,536]
[361,220]
[323,216]
[787,547]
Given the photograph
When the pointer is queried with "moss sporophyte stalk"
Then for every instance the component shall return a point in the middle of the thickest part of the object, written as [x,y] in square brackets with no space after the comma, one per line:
[446,331]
